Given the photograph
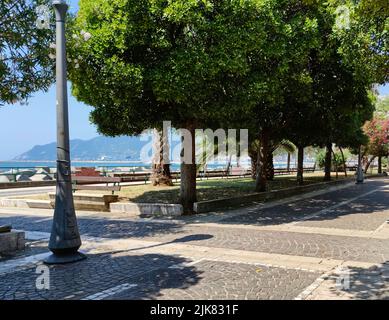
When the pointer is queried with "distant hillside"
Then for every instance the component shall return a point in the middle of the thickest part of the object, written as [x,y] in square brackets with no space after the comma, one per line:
[100,148]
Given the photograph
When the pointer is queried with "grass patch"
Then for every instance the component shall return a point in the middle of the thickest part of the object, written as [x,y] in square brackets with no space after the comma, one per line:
[206,190]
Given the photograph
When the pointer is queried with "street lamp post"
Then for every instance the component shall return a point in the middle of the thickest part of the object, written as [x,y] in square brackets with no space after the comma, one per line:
[360,176]
[65,238]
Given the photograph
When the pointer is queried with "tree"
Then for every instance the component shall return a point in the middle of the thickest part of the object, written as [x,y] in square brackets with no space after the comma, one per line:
[283,145]
[280,67]
[382,106]
[149,61]
[161,162]
[377,131]
[25,65]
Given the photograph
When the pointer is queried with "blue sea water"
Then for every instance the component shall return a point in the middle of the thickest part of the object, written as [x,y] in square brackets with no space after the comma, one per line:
[7,165]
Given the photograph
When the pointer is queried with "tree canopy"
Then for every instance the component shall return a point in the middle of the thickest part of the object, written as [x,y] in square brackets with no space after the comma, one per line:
[25,65]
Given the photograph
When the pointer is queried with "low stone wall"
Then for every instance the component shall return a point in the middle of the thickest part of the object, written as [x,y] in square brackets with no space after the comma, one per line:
[25,203]
[147,209]
[26,184]
[247,200]
[12,241]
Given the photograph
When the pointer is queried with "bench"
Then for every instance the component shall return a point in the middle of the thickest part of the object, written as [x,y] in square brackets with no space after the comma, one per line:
[133,177]
[5,229]
[87,183]
[285,171]
[238,172]
[87,172]
[215,173]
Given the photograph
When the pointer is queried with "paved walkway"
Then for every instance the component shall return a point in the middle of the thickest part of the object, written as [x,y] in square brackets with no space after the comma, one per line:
[331,245]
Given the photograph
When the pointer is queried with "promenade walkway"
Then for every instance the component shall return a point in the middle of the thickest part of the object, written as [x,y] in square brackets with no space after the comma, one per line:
[332,245]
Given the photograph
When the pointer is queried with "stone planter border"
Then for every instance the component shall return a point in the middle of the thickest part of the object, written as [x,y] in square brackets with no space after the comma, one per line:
[12,241]
[250,199]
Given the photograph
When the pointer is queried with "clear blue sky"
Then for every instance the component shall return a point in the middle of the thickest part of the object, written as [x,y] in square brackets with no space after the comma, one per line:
[22,127]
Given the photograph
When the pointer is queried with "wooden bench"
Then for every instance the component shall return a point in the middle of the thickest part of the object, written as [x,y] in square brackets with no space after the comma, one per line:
[285,171]
[133,177]
[238,172]
[88,183]
[87,172]
[216,173]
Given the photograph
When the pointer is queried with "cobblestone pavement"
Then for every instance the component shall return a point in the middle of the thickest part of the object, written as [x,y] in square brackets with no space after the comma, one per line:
[275,252]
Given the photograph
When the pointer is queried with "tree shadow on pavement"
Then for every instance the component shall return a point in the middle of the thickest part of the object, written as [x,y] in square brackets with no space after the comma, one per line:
[113,275]
[361,283]
[193,237]
[316,209]
[97,227]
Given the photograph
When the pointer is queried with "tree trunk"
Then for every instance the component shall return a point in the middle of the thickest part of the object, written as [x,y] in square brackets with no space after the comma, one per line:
[344,162]
[336,164]
[270,167]
[379,165]
[263,152]
[161,165]
[238,157]
[300,166]
[328,162]
[228,168]
[369,163]
[188,170]
[288,163]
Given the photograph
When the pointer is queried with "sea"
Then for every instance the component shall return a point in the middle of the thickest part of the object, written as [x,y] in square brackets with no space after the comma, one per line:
[108,165]
[131,165]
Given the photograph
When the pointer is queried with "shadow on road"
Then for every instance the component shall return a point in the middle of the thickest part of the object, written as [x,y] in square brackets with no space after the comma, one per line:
[362,284]
[305,209]
[102,227]
[129,277]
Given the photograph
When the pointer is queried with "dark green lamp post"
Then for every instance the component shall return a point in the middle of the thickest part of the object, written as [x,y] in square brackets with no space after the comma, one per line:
[65,238]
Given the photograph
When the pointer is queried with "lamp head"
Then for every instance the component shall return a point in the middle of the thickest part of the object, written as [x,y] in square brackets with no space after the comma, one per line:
[60,7]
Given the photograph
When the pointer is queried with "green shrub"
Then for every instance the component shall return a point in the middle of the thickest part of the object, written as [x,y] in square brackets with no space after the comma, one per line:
[337,161]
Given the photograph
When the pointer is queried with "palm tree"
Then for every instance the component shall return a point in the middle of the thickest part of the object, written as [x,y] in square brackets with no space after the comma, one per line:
[284,144]
[161,163]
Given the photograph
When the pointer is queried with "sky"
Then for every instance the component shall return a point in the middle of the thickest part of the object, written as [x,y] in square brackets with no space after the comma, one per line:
[24,126]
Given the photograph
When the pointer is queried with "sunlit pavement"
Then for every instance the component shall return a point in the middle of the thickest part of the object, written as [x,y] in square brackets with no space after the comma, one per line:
[329,246]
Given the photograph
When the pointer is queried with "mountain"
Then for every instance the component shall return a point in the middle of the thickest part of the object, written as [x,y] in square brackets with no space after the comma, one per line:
[99,148]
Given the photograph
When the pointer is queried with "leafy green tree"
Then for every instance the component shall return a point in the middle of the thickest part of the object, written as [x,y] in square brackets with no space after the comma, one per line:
[280,67]
[185,61]
[25,65]
[338,159]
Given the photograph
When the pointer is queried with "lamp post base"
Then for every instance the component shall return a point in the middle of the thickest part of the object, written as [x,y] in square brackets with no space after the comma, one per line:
[56,258]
